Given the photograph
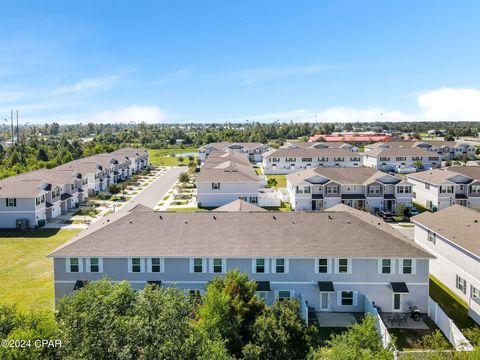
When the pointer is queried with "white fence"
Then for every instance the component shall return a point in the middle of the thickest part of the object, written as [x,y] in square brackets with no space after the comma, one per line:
[304,309]
[381,328]
[268,197]
[448,328]
[474,309]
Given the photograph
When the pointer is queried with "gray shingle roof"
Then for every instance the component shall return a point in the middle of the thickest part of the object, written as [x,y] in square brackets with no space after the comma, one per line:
[143,232]
[239,205]
[312,152]
[457,223]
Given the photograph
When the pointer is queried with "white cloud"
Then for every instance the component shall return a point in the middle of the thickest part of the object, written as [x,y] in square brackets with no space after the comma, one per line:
[445,104]
[134,113]
[98,83]
[450,104]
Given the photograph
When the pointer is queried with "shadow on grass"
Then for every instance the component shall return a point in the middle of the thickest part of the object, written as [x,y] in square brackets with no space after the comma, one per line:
[31,233]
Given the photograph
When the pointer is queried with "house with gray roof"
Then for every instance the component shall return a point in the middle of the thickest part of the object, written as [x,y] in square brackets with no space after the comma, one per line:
[362,188]
[253,150]
[226,177]
[439,188]
[401,159]
[287,160]
[332,260]
[452,236]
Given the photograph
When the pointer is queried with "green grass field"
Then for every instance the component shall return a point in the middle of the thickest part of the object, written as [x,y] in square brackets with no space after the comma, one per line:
[161,157]
[281,180]
[26,274]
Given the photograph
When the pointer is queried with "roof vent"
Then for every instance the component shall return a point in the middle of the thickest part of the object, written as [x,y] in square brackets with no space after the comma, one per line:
[330,217]
[274,218]
[214,218]
[476,221]
[161,218]
[186,222]
[130,222]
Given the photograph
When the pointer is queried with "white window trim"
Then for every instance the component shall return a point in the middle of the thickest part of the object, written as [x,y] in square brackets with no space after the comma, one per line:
[200,291]
[149,265]
[414,266]
[317,264]
[392,266]
[142,265]
[211,263]
[354,301]
[204,265]
[100,264]
[337,265]
[80,264]
[286,266]
[254,265]
[292,293]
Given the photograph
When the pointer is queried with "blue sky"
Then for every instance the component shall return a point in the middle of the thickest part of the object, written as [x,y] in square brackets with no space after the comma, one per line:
[202,61]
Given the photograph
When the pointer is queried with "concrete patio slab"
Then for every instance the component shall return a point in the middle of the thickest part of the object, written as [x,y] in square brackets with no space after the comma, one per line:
[330,319]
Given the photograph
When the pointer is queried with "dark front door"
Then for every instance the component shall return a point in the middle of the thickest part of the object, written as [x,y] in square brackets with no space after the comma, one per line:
[314,205]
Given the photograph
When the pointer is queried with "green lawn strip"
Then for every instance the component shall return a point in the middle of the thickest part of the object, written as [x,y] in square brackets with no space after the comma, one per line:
[26,274]
[453,305]
[281,180]
[406,339]
[258,170]
[419,207]
[282,207]
[166,197]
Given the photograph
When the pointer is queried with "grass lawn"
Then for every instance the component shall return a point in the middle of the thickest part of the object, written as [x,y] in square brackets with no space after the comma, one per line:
[26,274]
[326,333]
[281,180]
[185,209]
[419,207]
[283,207]
[454,307]
[161,157]
[258,170]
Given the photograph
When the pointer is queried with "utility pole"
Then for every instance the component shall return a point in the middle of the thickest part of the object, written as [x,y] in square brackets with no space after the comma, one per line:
[18,130]
[11,117]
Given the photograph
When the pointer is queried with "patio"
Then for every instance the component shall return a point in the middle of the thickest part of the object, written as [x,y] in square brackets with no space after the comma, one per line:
[336,319]
[403,321]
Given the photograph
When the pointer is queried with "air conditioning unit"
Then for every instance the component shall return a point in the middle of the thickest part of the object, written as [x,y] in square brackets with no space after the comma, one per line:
[22,224]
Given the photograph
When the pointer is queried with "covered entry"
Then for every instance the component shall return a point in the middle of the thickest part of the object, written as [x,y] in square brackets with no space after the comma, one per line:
[326,289]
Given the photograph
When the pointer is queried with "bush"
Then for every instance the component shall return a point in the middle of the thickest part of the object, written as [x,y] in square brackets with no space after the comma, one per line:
[184,178]
[114,189]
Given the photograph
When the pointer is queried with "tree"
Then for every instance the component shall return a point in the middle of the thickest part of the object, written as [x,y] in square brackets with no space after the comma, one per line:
[42,155]
[400,209]
[435,341]
[114,189]
[181,159]
[229,310]
[418,164]
[271,183]
[280,333]
[112,321]
[361,341]
[184,178]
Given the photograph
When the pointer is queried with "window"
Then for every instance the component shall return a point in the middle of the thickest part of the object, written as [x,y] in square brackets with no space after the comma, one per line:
[156,265]
[262,295]
[407,266]
[432,237]
[280,266]
[322,266]
[216,186]
[197,265]
[11,202]
[217,265]
[475,189]
[331,189]
[404,189]
[338,159]
[136,265]
[284,295]
[386,266]
[446,189]
[383,158]
[253,199]
[94,265]
[474,292]
[194,294]
[74,265]
[343,267]
[374,189]
[346,298]
[461,284]
[306,159]
[400,158]
[260,266]
[427,186]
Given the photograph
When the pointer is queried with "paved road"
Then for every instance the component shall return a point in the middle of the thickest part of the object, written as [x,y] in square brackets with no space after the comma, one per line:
[157,190]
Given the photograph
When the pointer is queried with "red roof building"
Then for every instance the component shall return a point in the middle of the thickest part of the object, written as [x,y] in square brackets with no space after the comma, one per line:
[351,137]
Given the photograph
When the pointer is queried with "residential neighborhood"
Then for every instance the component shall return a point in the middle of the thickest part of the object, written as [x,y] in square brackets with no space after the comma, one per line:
[240,180]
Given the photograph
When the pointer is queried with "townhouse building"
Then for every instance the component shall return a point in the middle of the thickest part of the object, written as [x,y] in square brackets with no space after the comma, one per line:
[289,160]
[401,160]
[452,236]
[331,260]
[447,150]
[318,145]
[253,150]
[34,198]
[439,188]
[226,177]
[361,188]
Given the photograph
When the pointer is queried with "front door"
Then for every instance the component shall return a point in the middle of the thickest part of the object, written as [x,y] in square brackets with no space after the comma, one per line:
[314,205]
[397,302]
[324,301]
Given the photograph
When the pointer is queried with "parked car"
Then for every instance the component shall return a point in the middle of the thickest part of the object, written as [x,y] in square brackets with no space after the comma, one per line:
[412,212]
[387,216]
